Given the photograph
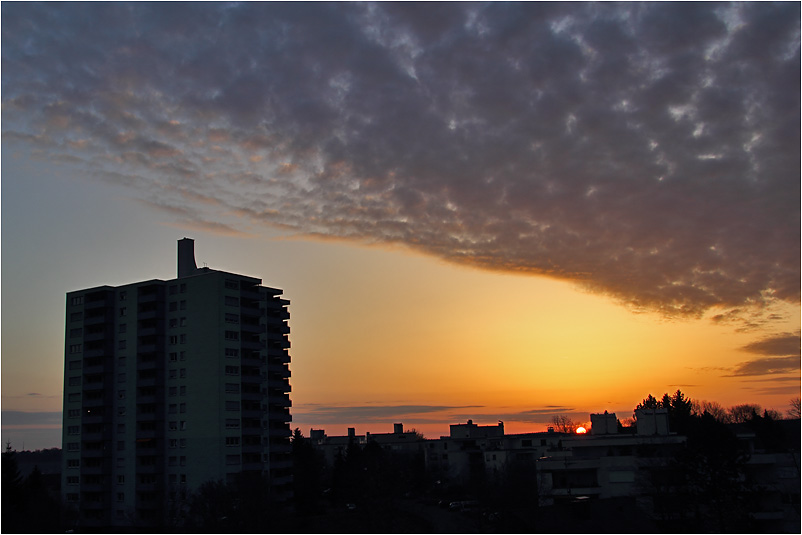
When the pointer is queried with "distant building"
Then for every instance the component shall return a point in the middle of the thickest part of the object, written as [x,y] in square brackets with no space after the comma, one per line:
[169,384]
[399,441]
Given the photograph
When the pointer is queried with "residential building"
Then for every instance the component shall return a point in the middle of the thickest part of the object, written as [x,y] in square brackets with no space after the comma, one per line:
[169,384]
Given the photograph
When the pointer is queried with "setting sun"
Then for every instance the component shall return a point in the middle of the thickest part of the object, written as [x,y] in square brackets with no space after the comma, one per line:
[581,430]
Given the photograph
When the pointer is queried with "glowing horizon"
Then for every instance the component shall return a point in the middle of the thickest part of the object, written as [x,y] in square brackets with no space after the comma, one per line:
[478,211]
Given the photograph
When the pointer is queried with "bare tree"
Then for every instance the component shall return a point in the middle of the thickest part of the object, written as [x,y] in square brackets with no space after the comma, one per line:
[563,423]
[713,408]
[743,413]
[793,412]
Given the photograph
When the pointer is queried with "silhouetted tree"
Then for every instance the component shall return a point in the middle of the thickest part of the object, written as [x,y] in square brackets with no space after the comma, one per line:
[743,413]
[13,493]
[563,423]
[794,411]
[308,473]
[678,406]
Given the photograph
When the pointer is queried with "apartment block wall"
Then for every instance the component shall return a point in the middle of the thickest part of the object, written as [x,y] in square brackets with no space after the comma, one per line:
[167,385]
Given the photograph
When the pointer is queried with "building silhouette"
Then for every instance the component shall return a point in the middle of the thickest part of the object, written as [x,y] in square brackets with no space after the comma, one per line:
[169,384]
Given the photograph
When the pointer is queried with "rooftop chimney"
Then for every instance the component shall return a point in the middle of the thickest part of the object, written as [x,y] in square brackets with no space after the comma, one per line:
[186,257]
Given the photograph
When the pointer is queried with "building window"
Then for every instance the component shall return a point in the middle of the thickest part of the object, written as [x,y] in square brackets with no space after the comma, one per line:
[232,284]
[232,423]
[74,413]
[173,306]
[120,377]
[182,373]
[232,352]
[120,496]
[232,301]
[183,425]
[75,381]
[121,480]
[232,459]
[172,391]
[74,430]
[73,446]
[172,461]
[123,296]
[75,365]
[173,289]
[123,328]
[183,322]
[182,443]
[72,480]
[75,301]
[183,288]
[182,408]
[73,463]
[182,305]
[173,443]
[232,441]
[172,374]
[123,312]
[120,445]
[173,426]
[121,394]
[183,355]
[232,370]
[121,344]
[182,391]
[75,348]
[120,429]
[232,318]
[75,333]
[74,397]
[172,409]
[183,478]
[232,335]
[76,316]
[173,339]
[183,338]
[173,357]
[120,462]
[182,460]
[232,388]
[173,323]
[232,405]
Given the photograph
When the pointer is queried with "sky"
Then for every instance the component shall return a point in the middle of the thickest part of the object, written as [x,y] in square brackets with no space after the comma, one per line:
[486,211]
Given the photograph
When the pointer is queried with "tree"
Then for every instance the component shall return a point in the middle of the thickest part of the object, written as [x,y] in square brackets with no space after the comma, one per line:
[563,423]
[744,412]
[794,411]
[12,493]
[679,409]
[713,408]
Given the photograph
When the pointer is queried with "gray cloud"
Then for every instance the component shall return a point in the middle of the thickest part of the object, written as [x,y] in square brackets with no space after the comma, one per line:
[362,413]
[780,344]
[16,419]
[768,366]
[650,152]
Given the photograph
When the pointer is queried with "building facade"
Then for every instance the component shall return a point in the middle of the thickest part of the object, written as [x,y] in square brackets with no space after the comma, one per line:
[169,384]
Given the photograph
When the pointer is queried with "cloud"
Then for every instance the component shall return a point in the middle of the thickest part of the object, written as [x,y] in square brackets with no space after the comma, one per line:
[767,366]
[31,420]
[649,152]
[780,344]
[362,413]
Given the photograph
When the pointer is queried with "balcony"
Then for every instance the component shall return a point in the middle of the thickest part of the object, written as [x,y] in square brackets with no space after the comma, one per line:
[282,385]
[278,371]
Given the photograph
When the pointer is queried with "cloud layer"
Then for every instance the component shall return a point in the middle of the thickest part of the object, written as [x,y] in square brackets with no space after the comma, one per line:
[649,151]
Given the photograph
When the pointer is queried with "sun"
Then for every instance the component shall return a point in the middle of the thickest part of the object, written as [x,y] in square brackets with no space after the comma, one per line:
[581,430]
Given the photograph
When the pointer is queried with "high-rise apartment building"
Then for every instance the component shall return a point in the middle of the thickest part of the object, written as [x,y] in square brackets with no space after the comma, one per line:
[169,384]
